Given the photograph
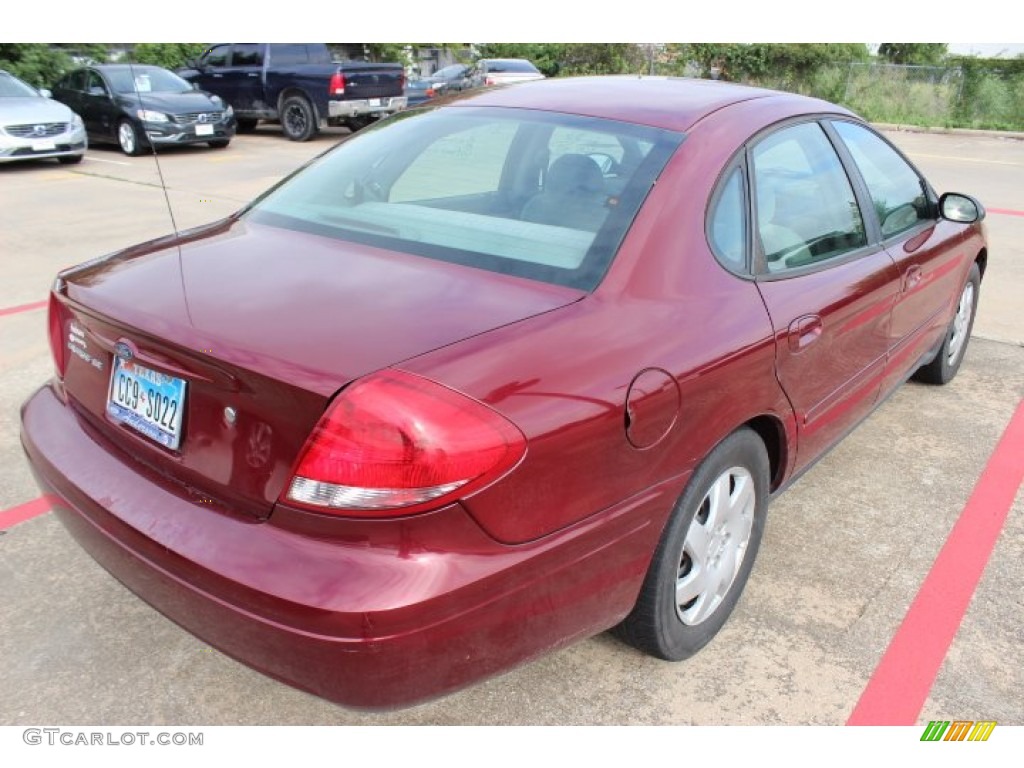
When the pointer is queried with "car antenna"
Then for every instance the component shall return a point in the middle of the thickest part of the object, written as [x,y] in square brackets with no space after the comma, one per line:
[163,186]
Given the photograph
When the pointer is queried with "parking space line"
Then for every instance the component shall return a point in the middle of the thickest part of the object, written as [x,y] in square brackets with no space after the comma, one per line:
[1005,211]
[903,678]
[19,514]
[22,308]
[104,160]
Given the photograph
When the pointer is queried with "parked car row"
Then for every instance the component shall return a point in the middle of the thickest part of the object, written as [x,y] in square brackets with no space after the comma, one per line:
[462,77]
[230,88]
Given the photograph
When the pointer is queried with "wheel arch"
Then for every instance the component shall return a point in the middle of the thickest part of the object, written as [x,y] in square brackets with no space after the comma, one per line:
[773,434]
[982,261]
[294,90]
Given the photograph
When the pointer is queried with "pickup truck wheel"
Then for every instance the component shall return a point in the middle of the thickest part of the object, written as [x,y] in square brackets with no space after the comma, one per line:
[298,119]
[245,124]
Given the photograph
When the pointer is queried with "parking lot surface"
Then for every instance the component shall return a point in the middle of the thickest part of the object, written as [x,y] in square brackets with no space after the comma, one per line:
[846,549]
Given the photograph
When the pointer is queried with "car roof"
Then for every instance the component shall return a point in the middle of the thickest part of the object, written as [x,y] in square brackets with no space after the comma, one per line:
[674,103]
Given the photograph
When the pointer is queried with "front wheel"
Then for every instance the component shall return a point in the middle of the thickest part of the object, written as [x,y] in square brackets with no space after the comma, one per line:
[128,138]
[298,119]
[944,367]
[706,552]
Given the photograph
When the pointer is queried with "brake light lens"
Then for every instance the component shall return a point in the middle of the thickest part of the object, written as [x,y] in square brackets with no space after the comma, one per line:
[58,345]
[396,443]
[337,84]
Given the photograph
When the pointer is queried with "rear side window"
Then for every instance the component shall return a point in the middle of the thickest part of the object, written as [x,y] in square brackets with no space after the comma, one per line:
[508,190]
[247,55]
[806,209]
[897,192]
[289,53]
[728,223]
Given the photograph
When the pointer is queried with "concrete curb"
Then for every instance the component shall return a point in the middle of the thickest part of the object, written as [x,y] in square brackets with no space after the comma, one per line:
[1015,135]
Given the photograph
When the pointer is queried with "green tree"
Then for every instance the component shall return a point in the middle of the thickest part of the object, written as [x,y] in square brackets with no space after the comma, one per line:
[38,64]
[167,55]
[930,54]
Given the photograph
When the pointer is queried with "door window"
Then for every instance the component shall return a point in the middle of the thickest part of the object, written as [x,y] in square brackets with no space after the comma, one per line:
[897,192]
[806,209]
[728,230]
[217,56]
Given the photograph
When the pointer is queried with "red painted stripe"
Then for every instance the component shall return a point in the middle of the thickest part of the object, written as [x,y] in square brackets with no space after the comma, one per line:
[1005,211]
[11,517]
[897,690]
[22,308]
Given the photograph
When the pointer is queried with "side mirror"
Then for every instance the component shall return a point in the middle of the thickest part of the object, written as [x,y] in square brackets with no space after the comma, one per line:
[960,208]
[46,93]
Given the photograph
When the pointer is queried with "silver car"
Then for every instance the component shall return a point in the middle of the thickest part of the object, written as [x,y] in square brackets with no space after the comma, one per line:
[33,126]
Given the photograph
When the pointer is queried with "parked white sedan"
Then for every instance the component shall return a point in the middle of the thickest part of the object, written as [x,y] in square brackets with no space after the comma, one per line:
[33,126]
[503,71]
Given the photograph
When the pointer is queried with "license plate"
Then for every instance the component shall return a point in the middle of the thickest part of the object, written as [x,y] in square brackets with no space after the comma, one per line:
[204,130]
[44,146]
[376,102]
[148,401]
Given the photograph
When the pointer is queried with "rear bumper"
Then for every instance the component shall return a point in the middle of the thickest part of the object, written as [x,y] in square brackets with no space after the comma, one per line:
[368,614]
[357,107]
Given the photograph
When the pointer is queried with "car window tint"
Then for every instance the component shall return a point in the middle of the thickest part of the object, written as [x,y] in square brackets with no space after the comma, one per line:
[247,55]
[217,56]
[728,228]
[897,192]
[95,85]
[289,53]
[806,208]
[463,185]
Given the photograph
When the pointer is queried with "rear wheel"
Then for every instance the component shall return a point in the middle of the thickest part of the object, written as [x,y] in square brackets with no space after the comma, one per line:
[298,119]
[706,552]
[944,367]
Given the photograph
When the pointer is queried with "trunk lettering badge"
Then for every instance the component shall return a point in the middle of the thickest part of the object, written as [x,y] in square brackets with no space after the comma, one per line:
[124,351]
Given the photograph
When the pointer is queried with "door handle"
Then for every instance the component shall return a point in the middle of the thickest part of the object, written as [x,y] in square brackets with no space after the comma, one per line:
[803,332]
[254,74]
[217,74]
[912,277]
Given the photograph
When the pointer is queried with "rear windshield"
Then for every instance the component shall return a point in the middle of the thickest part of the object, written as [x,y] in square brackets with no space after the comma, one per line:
[511,66]
[540,195]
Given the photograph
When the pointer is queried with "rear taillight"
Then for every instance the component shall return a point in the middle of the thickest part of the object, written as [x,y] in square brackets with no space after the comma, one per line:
[395,443]
[401,80]
[58,342]
[337,85]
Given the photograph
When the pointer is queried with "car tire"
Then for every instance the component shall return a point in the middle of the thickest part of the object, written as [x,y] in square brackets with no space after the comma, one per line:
[128,138]
[219,143]
[70,159]
[705,554]
[298,120]
[245,124]
[946,363]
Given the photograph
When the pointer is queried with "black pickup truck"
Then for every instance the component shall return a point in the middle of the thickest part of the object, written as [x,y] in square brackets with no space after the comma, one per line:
[297,84]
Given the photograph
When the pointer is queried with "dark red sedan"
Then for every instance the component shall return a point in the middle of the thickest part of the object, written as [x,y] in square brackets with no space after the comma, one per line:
[496,375]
